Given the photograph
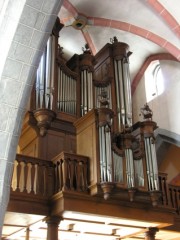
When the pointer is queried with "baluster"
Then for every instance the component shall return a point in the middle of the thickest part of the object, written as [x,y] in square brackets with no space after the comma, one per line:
[25,177]
[50,178]
[44,182]
[29,170]
[72,174]
[33,180]
[84,176]
[163,188]
[21,178]
[40,179]
[60,175]
[78,176]
[56,178]
[176,199]
[14,177]
[171,196]
[65,174]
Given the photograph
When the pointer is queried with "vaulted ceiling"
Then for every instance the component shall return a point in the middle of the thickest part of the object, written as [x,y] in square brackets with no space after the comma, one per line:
[150,27]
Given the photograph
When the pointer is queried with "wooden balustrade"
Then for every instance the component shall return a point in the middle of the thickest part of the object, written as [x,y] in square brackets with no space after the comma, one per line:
[174,192]
[32,176]
[71,172]
[170,193]
[163,187]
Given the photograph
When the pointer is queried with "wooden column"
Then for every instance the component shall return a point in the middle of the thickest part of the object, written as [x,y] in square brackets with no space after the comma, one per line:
[52,227]
[27,233]
[151,233]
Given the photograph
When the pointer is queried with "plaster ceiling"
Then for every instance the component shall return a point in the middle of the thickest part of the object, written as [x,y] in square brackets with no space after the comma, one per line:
[149,27]
[76,226]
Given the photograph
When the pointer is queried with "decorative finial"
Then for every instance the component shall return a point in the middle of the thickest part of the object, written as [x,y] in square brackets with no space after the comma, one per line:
[103,99]
[114,39]
[60,51]
[86,49]
[146,112]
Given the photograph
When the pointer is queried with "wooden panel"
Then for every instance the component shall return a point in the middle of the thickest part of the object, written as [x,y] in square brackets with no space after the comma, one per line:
[87,143]
[54,143]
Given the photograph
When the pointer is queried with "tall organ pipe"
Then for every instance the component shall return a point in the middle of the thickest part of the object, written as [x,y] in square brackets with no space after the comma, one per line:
[122,84]
[44,81]
[86,91]
[105,116]
[86,64]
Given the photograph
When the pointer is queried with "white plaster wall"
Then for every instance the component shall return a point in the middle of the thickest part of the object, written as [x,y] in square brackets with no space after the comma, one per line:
[166,107]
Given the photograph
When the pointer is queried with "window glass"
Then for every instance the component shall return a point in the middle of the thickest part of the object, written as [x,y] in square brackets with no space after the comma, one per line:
[154,82]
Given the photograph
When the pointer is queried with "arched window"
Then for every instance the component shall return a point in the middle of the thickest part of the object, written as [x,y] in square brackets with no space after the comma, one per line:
[154,82]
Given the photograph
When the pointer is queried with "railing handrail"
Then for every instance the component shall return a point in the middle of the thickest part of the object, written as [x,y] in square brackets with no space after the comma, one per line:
[33,160]
[70,171]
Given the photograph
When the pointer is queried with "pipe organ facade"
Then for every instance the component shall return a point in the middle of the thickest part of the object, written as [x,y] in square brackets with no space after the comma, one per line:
[125,152]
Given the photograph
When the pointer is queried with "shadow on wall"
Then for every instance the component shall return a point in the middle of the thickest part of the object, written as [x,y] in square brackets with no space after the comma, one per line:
[168,155]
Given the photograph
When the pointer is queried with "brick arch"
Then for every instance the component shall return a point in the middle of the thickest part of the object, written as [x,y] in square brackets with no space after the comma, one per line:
[103,22]
[160,56]
[167,17]
[127,27]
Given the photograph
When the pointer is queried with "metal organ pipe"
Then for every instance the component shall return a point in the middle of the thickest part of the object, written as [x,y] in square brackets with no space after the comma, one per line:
[118,168]
[129,168]
[128,93]
[118,96]
[105,116]
[122,84]
[123,93]
[151,163]
[66,101]
[139,173]
[86,91]
[105,153]
[44,80]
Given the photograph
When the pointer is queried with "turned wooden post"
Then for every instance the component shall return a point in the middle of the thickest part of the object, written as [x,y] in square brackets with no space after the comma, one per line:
[27,233]
[151,233]
[52,227]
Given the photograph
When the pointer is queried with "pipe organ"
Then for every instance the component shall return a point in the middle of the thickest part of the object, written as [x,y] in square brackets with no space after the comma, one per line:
[99,86]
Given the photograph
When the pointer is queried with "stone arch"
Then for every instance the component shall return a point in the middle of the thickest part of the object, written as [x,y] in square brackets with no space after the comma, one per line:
[25,26]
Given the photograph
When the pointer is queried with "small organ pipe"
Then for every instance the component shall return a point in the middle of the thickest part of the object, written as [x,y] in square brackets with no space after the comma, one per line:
[117,95]
[154,164]
[48,63]
[82,93]
[101,154]
[118,167]
[151,163]
[129,168]
[52,60]
[70,95]
[147,164]
[91,81]
[85,93]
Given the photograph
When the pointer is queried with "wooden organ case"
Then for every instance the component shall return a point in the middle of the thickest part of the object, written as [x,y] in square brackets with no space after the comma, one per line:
[87,102]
